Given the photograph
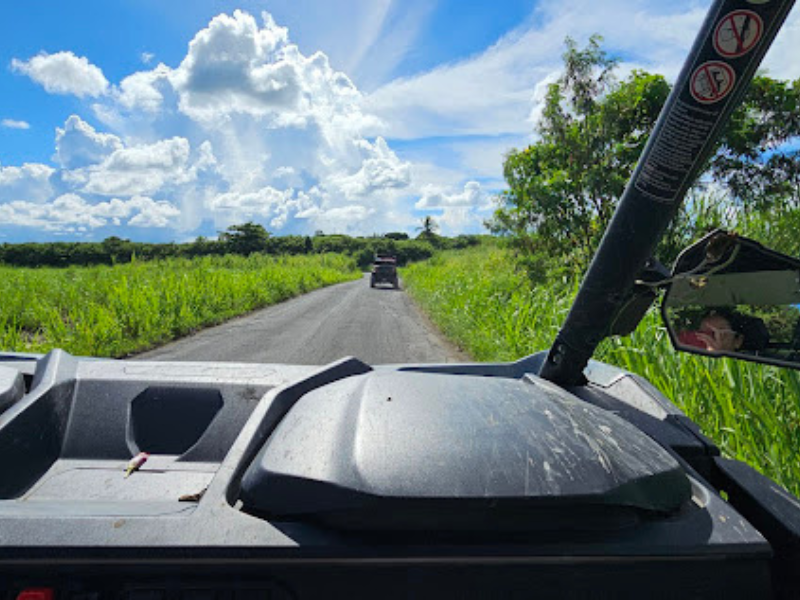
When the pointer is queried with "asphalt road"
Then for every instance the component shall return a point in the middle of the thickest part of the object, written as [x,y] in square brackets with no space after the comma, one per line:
[378,326]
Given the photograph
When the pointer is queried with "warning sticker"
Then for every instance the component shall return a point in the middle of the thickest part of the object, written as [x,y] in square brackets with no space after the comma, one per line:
[677,149]
[711,82]
[737,33]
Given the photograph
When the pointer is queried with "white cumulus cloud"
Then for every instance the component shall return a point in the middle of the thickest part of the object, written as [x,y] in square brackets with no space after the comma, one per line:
[70,212]
[263,202]
[64,73]
[78,144]
[30,183]
[434,197]
[138,170]
[152,213]
[457,220]
[233,66]
[340,219]
[144,90]
[380,170]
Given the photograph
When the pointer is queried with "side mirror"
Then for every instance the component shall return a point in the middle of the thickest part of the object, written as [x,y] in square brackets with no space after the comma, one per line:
[731,296]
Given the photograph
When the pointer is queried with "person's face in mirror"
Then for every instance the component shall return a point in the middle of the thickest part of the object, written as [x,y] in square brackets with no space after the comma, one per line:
[715,334]
[718,335]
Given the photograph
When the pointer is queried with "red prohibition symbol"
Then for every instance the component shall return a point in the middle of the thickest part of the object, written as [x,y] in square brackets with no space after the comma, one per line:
[712,81]
[737,33]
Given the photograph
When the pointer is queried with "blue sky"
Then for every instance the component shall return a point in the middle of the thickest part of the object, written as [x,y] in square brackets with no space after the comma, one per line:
[162,121]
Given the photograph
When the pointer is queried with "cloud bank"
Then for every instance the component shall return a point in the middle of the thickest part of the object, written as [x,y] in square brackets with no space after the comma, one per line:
[263,132]
[247,127]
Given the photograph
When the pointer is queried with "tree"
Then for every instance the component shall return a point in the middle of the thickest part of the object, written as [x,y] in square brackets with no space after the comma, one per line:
[563,189]
[117,249]
[428,228]
[754,161]
[245,238]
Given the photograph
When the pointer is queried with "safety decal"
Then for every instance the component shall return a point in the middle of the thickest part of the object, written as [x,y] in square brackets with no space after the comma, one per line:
[737,33]
[711,82]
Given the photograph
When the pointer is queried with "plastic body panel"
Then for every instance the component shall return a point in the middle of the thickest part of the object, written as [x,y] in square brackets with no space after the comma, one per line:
[81,536]
[498,576]
[515,454]
[12,387]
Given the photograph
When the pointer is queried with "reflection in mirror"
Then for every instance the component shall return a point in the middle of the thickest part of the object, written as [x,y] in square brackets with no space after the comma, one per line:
[730,296]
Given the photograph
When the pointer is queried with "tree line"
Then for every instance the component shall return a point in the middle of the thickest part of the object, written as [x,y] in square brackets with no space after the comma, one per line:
[244,239]
[563,188]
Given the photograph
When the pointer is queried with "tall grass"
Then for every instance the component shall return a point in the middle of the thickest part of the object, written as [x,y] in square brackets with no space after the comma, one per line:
[751,411]
[113,311]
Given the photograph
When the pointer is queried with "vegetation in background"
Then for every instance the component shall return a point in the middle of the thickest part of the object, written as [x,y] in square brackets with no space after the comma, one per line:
[243,239]
[754,164]
[564,187]
[113,311]
[495,313]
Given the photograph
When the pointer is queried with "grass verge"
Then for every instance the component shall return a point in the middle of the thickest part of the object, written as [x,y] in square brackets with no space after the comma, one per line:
[114,311]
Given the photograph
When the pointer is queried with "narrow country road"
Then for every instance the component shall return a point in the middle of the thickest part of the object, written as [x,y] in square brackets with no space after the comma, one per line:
[378,326]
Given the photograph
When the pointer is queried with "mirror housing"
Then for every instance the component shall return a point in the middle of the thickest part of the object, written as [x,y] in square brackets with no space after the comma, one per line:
[730,296]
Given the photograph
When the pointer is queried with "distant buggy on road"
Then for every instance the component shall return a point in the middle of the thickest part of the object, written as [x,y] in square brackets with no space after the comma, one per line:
[384,270]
